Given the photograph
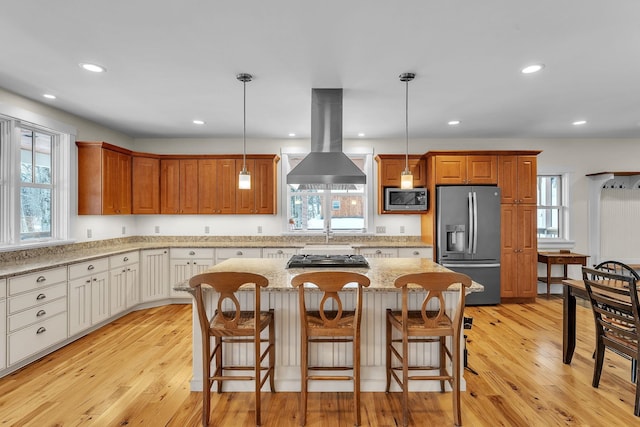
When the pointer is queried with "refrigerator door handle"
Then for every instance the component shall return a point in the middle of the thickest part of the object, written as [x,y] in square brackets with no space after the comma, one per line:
[492,265]
[471,230]
[475,222]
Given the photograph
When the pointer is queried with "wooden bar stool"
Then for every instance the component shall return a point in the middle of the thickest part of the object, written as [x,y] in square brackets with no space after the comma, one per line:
[330,324]
[429,324]
[230,324]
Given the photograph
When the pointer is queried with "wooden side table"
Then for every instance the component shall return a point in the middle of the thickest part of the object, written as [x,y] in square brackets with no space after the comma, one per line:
[563,258]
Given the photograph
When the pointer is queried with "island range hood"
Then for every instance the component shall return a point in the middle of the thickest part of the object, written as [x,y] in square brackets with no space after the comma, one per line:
[326,164]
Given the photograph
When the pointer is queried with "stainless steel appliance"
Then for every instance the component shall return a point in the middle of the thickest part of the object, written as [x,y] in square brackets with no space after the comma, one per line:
[401,199]
[468,236]
[313,261]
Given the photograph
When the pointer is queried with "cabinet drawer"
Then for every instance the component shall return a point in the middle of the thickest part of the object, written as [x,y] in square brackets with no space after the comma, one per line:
[37,337]
[28,282]
[226,253]
[124,259]
[37,314]
[415,253]
[379,252]
[37,297]
[279,252]
[88,267]
[192,253]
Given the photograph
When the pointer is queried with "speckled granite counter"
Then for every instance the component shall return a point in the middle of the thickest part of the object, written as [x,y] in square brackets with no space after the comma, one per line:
[32,260]
[382,273]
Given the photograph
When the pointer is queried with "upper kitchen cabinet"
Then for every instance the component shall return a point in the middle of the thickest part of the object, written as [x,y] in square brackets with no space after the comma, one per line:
[466,169]
[104,179]
[517,179]
[390,167]
[261,198]
[145,183]
[217,186]
[179,186]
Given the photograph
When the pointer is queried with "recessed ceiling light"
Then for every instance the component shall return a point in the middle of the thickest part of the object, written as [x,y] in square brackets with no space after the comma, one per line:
[532,68]
[579,122]
[49,96]
[94,68]
[292,134]
[453,122]
[198,122]
[361,134]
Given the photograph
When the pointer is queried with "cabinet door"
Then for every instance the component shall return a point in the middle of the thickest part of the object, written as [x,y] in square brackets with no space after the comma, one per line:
[482,169]
[527,180]
[207,186]
[117,290]
[169,186]
[154,274]
[391,170]
[508,251]
[265,192]
[189,186]
[451,169]
[132,287]
[508,178]
[99,297]
[79,304]
[116,183]
[145,185]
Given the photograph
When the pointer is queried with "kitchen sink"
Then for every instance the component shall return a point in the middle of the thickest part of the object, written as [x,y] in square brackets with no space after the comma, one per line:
[327,249]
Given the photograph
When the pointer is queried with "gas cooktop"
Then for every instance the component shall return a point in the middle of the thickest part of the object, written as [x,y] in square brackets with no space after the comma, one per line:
[313,261]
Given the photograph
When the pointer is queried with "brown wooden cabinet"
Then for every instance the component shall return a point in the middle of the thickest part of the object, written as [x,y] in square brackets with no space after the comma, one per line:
[216,186]
[390,167]
[466,169]
[145,182]
[179,186]
[104,179]
[518,263]
[261,198]
[517,179]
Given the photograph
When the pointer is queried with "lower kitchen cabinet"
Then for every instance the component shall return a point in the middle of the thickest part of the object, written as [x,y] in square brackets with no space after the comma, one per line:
[36,312]
[154,274]
[279,252]
[185,263]
[88,294]
[124,285]
[519,252]
[3,323]
[379,252]
[227,253]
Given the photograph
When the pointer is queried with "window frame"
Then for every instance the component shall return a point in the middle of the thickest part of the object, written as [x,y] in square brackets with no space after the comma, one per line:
[563,239]
[12,120]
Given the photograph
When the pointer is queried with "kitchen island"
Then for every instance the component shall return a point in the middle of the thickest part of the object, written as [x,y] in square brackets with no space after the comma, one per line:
[283,298]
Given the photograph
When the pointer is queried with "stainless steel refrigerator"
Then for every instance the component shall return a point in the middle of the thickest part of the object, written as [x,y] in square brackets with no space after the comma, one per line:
[468,236]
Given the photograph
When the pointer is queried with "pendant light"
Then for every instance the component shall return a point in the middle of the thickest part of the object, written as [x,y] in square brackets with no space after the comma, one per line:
[406,179]
[244,179]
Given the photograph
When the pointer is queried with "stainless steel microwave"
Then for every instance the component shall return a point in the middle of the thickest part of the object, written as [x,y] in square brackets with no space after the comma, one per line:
[399,199]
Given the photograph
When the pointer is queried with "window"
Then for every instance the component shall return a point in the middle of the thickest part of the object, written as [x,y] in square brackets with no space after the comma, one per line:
[551,211]
[34,181]
[310,208]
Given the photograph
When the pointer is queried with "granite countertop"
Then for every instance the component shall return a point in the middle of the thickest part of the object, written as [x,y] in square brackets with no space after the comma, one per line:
[27,261]
[382,272]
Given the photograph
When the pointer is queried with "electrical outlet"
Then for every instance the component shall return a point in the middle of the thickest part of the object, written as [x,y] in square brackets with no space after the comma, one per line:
[381,229]
[402,229]
[124,230]
[157,229]
[207,230]
[89,233]
[259,229]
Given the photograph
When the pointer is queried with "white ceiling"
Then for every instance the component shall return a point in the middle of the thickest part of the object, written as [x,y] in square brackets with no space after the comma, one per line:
[169,62]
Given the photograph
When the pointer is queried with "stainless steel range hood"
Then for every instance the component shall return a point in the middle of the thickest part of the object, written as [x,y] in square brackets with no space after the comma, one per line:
[326,164]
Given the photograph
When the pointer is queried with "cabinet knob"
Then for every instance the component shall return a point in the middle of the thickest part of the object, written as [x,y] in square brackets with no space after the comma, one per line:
[416,253]
[90,267]
[41,330]
[41,313]
[88,281]
[125,259]
[192,252]
[280,252]
[41,297]
[378,252]
[239,253]
[40,279]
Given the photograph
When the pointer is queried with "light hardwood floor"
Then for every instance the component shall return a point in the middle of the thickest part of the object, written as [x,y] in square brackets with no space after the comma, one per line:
[136,372]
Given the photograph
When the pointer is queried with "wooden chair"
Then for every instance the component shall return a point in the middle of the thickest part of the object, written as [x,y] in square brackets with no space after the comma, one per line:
[429,324]
[330,323]
[230,324]
[614,302]
[618,267]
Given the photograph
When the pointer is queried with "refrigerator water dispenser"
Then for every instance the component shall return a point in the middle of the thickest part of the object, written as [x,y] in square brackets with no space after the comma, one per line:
[455,238]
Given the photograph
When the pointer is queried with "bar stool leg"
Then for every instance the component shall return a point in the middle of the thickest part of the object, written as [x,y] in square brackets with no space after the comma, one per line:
[356,379]
[304,378]
[389,333]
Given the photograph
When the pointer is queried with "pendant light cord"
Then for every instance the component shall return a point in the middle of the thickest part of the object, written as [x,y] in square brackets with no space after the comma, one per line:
[244,125]
[406,126]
